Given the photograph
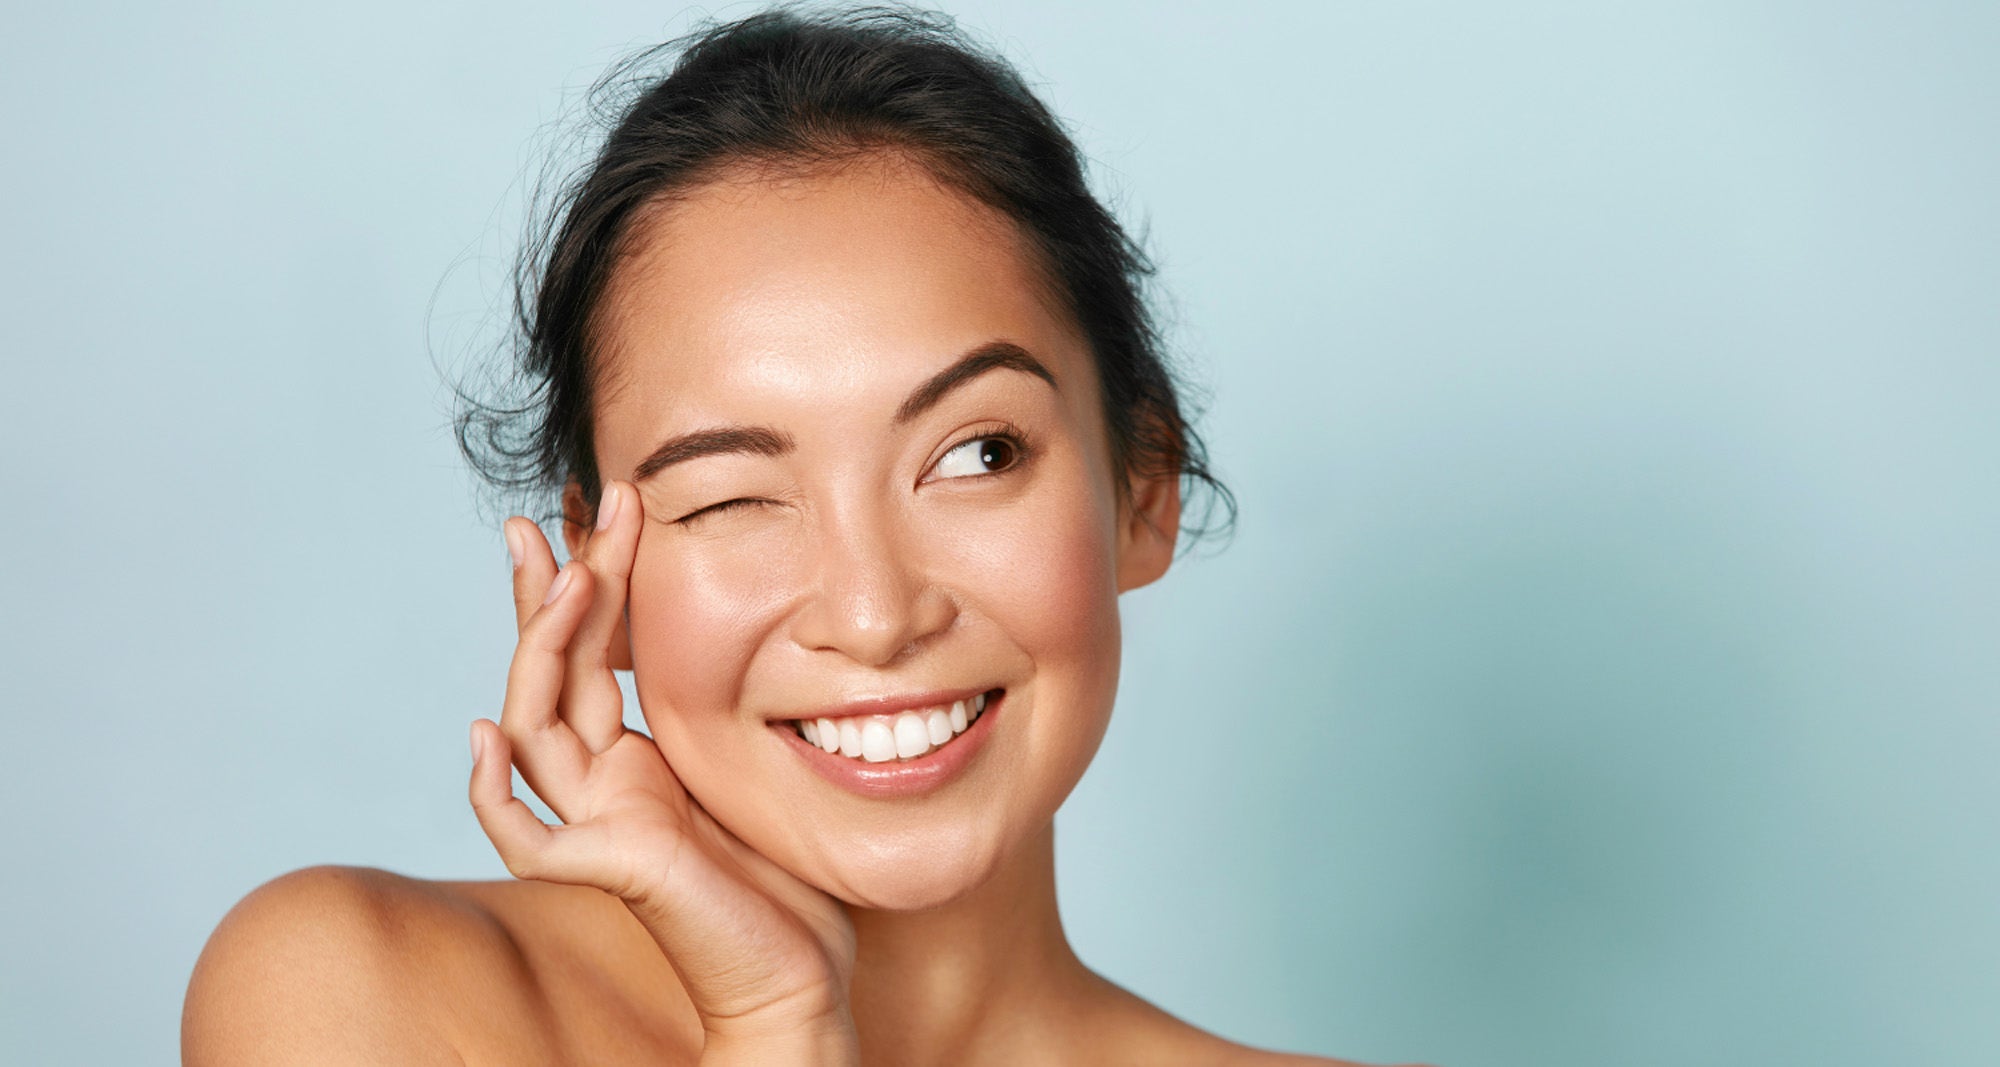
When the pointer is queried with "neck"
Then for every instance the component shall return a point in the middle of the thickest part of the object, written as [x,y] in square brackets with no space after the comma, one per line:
[990,971]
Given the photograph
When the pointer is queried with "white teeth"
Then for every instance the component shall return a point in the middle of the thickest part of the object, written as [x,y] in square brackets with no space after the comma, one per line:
[912,738]
[878,744]
[881,738]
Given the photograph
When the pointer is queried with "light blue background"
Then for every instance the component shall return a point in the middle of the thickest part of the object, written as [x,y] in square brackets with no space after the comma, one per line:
[1605,670]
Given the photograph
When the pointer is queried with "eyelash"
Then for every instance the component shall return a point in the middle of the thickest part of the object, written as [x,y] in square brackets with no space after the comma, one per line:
[725,505]
[1024,450]
[1008,432]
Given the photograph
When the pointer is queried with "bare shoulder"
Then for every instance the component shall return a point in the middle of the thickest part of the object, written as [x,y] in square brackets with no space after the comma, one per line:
[355,964]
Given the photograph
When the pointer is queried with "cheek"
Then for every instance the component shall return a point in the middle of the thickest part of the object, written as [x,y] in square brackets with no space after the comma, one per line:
[1044,571]
[1056,588]
[696,618]
[1050,586]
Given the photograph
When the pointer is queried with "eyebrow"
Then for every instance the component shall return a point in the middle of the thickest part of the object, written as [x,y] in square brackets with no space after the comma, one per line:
[750,440]
[764,441]
[993,355]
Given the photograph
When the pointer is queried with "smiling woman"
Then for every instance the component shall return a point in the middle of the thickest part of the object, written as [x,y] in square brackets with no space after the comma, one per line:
[845,386]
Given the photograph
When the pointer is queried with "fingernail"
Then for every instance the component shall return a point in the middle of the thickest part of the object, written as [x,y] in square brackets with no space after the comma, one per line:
[556,587]
[607,508]
[513,545]
[478,743]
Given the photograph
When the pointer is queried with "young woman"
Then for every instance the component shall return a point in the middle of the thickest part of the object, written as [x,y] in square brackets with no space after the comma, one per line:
[859,429]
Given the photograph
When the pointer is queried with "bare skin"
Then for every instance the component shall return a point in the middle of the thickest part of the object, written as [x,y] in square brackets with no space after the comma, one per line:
[707,898]
[412,971]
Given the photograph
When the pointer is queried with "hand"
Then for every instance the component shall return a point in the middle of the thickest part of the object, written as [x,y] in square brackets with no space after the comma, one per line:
[762,955]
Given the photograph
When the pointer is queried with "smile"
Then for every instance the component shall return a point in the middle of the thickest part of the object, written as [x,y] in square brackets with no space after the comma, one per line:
[905,735]
[894,754]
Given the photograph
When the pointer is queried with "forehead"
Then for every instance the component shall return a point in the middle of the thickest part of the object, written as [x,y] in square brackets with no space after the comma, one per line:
[844,283]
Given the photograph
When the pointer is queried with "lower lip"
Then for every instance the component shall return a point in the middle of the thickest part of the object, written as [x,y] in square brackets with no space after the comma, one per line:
[899,778]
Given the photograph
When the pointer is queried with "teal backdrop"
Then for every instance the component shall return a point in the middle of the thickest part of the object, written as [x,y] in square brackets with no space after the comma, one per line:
[1605,670]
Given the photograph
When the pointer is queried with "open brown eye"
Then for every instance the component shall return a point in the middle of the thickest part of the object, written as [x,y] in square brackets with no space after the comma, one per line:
[981,455]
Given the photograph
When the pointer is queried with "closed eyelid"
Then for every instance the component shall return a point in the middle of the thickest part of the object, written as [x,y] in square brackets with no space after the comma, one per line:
[726,505]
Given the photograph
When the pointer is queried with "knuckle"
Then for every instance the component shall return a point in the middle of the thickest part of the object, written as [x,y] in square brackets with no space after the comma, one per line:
[609,562]
[528,681]
[543,634]
[520,861]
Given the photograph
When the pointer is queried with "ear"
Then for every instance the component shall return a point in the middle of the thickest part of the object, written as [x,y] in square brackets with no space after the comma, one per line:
[1148,525]
[579,522]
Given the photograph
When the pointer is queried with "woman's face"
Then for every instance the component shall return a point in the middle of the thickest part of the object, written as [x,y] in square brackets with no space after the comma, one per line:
[836,515]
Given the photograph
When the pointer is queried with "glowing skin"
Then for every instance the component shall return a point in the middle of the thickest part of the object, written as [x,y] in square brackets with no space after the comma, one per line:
[878,554]
[861,566]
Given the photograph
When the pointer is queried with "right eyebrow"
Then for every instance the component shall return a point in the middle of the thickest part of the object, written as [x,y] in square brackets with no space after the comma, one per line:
[750,440]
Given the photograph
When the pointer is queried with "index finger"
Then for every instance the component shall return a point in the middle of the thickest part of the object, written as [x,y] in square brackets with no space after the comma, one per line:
[609,553]
[591,700]
[534,566]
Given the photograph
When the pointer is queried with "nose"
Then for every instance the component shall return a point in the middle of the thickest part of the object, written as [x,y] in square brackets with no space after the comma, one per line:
[871,599]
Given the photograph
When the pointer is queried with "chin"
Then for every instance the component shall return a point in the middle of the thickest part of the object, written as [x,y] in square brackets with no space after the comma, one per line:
[904,871]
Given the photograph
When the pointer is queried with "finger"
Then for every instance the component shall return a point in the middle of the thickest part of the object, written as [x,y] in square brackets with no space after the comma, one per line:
[509,823]
[530,847]
[535,567]
[552,759]
[592,703]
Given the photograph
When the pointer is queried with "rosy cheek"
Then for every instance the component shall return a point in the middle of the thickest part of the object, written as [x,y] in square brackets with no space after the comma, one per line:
[1044,569]
[698,613]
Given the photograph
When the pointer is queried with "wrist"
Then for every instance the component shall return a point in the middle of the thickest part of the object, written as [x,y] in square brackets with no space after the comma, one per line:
[823,1041]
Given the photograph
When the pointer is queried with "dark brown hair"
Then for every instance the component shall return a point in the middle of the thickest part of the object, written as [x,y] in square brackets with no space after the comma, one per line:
[797,87]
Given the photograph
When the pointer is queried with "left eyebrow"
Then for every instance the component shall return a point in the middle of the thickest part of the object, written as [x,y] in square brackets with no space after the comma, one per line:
[993,355]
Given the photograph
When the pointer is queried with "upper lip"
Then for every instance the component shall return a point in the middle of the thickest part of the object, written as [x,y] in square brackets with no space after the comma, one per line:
[890,705]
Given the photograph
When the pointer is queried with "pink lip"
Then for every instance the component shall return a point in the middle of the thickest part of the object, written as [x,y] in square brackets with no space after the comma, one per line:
[906,778]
